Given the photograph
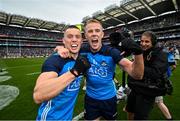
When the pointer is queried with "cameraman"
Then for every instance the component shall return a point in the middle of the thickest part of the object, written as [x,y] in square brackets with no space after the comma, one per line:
[142,96]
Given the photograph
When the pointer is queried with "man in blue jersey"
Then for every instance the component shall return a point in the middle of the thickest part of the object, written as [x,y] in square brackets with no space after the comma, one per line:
[171,61]
[100,98]
[58,85]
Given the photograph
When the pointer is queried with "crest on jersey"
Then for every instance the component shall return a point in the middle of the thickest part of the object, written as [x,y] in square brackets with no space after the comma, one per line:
[103,63]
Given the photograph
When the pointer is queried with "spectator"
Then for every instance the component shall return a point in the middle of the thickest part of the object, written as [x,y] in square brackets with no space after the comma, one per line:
[171,61]
[176,55]
[160,103]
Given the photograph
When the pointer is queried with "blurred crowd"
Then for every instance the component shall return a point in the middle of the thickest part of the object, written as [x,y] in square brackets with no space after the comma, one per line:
[35,43]
[28,33]
[16,52]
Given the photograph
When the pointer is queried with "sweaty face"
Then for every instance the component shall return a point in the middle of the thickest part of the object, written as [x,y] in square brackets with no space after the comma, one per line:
[94,34]
[72,40]
[145,42]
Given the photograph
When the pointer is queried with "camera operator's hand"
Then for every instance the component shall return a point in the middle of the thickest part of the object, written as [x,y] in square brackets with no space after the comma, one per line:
[124,44]
[115,38]
[81,66]
[129,46]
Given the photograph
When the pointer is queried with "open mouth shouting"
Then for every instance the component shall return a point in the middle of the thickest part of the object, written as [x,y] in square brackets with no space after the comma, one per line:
[74,46]
[94,42]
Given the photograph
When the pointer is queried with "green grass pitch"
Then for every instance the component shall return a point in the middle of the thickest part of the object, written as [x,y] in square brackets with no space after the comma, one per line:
[24,72]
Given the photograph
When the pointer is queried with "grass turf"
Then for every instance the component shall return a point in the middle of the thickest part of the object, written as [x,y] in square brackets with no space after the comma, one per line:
[24,108]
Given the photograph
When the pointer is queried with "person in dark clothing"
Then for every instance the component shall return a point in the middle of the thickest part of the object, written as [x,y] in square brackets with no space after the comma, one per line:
[143,92]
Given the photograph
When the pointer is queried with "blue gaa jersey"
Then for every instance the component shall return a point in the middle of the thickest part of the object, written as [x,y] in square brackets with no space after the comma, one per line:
[171,57]
[60,107]
[100,84]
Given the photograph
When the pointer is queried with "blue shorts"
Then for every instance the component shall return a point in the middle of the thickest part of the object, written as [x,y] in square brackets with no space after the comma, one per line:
[100,108]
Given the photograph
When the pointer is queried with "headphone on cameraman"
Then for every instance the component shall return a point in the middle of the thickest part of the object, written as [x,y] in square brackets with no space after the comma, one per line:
[153,37]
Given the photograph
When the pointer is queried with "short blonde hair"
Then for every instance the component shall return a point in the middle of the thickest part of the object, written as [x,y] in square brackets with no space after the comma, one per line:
[92,21]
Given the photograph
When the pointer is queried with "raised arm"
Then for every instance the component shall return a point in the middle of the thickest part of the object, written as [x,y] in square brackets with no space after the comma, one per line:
[49,85]
[135,69]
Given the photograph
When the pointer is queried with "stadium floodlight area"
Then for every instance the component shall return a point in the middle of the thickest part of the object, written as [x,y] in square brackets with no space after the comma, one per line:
[125,1]
[97,13]
[17,19]
[34,23]
[110,7]
[86,18]
[3,17]
[23,21]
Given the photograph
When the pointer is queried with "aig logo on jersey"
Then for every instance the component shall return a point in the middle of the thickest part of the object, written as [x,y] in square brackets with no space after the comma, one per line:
[75,85]
[100,71]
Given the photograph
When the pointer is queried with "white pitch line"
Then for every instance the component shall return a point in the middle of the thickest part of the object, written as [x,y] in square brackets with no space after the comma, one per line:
[4,78]
[34,73]
[81,115]
[3,73]
[8,94]
[22,66]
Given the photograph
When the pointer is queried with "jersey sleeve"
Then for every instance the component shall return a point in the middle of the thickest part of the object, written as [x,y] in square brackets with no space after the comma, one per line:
[53,63]
[116,55]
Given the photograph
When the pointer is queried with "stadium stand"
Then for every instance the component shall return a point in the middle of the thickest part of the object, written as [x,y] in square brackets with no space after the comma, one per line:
[21,36]
[23,42]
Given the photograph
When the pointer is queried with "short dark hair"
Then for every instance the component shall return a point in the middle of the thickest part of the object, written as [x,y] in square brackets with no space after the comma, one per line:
[151,35]
[71,27]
